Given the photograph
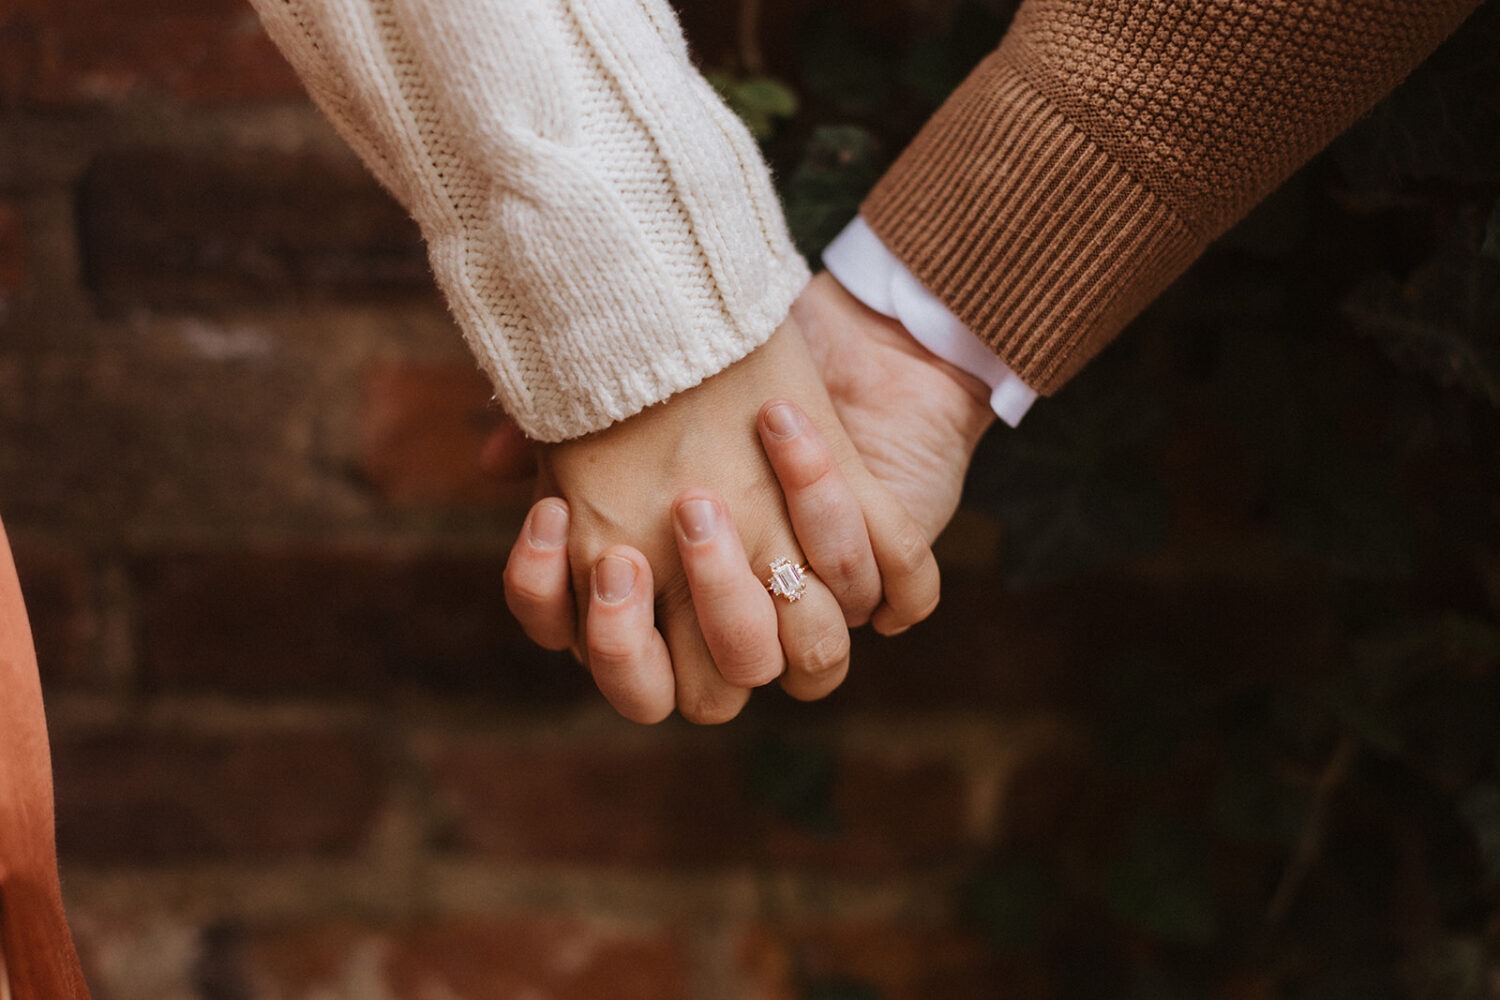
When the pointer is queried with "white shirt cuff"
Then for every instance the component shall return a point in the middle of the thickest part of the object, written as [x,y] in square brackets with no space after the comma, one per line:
[875,276]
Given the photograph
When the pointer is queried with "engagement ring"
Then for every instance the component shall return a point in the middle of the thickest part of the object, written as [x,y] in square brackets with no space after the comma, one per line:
[787,580]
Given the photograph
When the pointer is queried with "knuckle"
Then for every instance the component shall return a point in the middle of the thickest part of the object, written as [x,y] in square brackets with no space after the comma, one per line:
[909,550]
[810,470]
[554,636]
[750,673]
[646,715]
[525,596]
[741,646]
[706,709]
[929,606]
[850,564]
[611,649]
[858,607]
[826,655]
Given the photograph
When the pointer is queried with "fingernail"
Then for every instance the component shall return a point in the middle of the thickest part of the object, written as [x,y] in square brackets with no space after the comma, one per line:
[614,579]
[698,519]
[783,421]
[549,526]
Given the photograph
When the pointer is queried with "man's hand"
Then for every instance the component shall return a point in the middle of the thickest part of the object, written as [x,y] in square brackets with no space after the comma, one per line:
[682,509]
[914,418]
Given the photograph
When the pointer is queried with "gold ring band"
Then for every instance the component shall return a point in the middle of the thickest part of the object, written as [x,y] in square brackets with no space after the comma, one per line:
[787,579]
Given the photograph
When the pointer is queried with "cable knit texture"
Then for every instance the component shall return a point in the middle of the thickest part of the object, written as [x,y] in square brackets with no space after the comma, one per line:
[1089,160]
[604,229]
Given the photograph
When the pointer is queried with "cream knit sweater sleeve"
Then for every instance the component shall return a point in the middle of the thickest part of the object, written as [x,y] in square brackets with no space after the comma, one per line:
[603,227]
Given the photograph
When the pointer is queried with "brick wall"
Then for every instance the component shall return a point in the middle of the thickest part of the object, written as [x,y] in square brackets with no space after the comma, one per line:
[301,749]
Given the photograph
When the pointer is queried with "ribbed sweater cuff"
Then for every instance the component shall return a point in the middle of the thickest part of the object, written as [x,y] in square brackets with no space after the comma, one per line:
[1024,228]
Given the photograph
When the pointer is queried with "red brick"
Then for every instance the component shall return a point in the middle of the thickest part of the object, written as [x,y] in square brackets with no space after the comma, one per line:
[422,428]
[126,797]
[475,959]
[92,51]
[894,962]
[59,589]
[686,805]
[887,816]
[197,429]
[15,265]
[173,230]
[130,951]
[339,622]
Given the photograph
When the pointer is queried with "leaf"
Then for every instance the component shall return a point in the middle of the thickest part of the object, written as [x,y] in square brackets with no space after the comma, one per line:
[839,166]
[1333,498]
[1011,902]
[1454,968]
[795,781]
[770,96]
[1074,486]
[1343,508]
[1152,711]
[1443,320]
[1442,123]
[1252,805]
[759,101]
[936,64]
[1491,245]
[1480,809]
[851,68]
[1161,884]
[1424,686]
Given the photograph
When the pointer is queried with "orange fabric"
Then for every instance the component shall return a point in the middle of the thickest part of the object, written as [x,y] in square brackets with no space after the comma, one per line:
[1092,157]
[39,953]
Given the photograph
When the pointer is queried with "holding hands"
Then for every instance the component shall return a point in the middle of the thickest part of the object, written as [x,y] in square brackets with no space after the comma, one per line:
[842,450]
[650,553]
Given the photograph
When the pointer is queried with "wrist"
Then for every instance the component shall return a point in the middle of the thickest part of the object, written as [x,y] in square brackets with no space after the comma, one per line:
[846,324]
[875,276]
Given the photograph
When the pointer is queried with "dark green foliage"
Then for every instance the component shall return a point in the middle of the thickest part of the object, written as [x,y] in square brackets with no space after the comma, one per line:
[1330,831]
[938,62]
[1011,902]
[1491,246]
[1153,711]
[1443,319]
[1443,124]
[839,164]
[1480,808]
[1428,687]
[1161,883]
[794,781]
[1077,490]
[759,101]
[851,68]
[1253,803]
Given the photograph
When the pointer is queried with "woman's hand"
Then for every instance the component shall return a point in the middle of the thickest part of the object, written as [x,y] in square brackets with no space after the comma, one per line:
[684,507]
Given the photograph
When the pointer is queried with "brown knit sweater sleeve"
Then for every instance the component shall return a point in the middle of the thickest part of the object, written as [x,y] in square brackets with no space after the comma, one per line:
[1087,161]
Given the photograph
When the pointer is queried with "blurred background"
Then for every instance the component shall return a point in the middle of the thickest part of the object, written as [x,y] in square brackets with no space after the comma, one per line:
[1211,707]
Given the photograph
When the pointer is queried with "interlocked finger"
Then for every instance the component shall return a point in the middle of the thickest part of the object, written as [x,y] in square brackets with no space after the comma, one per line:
[734,611]
[537,587]
[824,511]
[813,636]
[626,654]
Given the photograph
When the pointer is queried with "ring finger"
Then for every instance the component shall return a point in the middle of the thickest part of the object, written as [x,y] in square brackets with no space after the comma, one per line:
[824,511]
[813,633]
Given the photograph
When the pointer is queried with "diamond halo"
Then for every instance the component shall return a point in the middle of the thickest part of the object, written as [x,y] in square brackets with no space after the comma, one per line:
[787,580]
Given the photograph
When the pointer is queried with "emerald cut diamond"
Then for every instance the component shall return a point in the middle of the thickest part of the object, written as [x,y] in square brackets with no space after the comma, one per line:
[787,580]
